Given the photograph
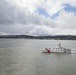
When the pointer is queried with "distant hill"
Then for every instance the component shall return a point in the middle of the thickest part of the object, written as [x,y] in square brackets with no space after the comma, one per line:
[56,37]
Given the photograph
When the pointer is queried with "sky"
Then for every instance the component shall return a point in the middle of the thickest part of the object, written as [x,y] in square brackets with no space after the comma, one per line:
[37,17]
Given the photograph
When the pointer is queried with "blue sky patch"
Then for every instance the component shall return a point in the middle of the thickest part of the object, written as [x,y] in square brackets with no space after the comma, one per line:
[42,11]
[55,15]
[67,8]
[70,8]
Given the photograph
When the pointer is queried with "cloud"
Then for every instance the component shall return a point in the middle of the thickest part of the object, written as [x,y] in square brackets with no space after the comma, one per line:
[66,20]
[13,19]
[11,14]
[38,17]
[6,13]
[65,23]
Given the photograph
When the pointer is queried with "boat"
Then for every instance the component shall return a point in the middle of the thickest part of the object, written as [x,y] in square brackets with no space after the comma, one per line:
[57,50]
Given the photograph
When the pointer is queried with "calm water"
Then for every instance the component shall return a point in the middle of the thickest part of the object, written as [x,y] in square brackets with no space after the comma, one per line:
[25,57]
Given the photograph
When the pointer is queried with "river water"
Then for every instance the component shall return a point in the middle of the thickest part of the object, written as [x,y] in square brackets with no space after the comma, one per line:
[25,57]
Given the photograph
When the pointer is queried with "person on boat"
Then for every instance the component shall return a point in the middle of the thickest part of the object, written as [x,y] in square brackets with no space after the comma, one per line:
[59,45]
[64,49]
[48,50]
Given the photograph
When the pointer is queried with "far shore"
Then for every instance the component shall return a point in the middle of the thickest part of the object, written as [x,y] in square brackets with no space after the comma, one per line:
[55,37]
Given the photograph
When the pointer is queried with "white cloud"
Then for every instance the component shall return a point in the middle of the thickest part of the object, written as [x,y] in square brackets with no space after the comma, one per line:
[19,17]
[51,6]
[11,14]
[66,24]
[66,20]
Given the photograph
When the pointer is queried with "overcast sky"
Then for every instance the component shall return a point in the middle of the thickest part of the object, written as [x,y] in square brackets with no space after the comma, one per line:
[38,17]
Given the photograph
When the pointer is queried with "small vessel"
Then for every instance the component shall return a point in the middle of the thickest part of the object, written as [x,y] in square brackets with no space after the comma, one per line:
[57,50]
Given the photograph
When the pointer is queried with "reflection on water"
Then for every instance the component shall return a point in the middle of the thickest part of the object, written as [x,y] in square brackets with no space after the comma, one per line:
[25,57]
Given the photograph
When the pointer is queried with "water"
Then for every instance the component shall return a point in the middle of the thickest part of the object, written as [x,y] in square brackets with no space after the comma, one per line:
[25,57]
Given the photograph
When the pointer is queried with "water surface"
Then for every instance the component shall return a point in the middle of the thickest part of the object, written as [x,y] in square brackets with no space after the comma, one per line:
[25,57]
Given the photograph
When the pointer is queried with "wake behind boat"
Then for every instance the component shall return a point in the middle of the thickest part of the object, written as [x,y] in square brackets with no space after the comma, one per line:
[57,50]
